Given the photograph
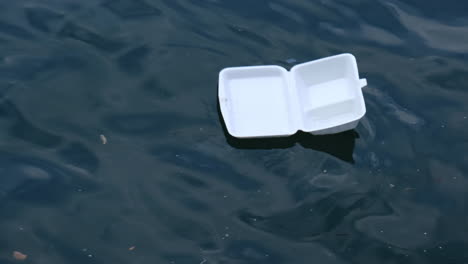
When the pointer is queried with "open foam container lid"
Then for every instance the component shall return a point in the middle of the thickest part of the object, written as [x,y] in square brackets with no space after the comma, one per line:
[321,97]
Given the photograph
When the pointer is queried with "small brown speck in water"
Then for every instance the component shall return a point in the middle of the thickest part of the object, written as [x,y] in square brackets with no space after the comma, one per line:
[19,256]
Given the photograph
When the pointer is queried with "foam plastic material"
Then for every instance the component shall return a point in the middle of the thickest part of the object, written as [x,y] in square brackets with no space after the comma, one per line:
[321,97]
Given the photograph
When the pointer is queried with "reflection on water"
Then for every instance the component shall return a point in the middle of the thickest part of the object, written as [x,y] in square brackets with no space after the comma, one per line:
[172,186]
[340,145]
[32,180]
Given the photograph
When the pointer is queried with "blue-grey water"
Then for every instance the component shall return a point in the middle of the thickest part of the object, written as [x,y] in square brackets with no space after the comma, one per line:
[171,186]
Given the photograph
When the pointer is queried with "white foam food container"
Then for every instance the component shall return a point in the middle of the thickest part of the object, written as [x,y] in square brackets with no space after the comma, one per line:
[321,97]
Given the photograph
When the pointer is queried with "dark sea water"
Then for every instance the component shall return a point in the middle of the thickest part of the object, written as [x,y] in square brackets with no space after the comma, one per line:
[171,186]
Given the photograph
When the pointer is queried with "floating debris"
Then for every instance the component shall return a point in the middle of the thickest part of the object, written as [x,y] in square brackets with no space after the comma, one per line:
[291,60]
[131,248]
[203,261]
[392,185]
[19,256]
[103,139]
